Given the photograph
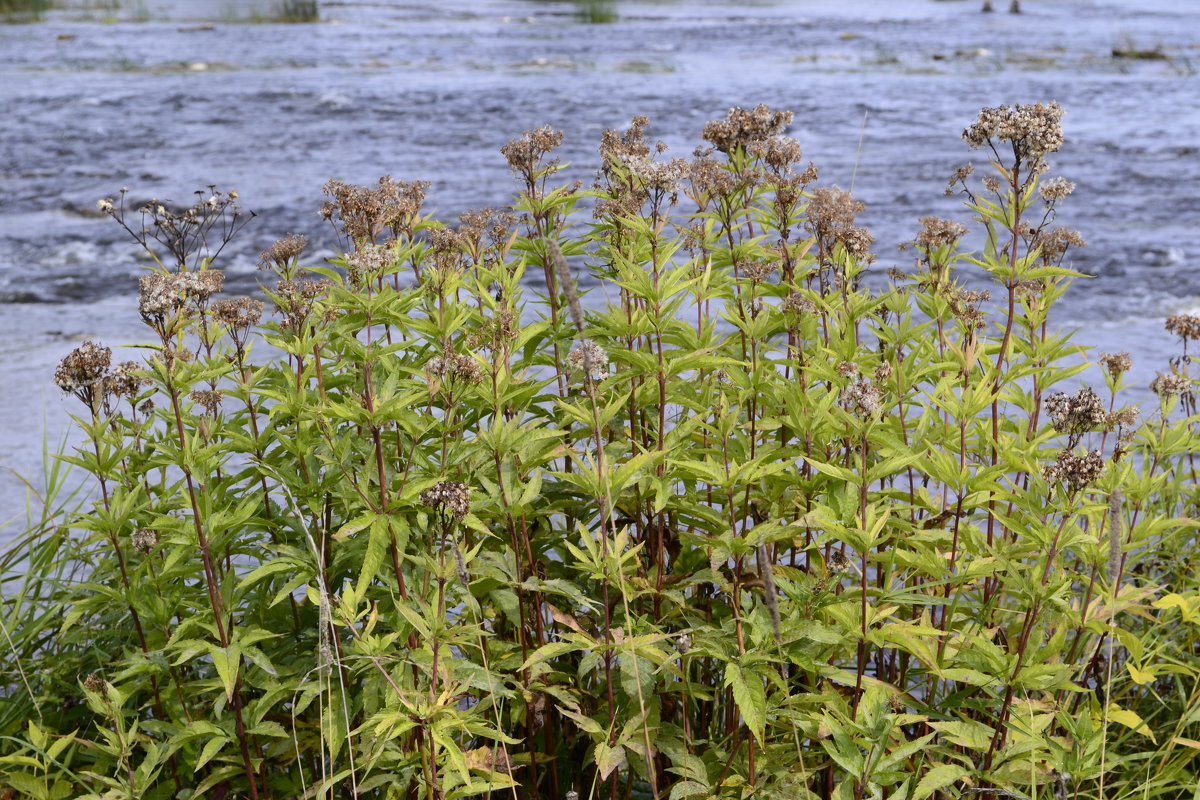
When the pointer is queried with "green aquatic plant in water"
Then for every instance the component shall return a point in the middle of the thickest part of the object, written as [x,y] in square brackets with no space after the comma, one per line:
[23,10]
[640,489]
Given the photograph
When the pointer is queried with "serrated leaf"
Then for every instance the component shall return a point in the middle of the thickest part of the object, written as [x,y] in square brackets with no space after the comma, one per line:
[227,660]
[608,759]
[750,697]
[937,778]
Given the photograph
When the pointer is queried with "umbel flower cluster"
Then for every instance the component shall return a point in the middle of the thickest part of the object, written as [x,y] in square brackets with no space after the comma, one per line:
[671,488]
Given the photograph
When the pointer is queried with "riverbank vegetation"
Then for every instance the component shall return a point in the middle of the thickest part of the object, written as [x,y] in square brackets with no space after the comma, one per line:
[650,489]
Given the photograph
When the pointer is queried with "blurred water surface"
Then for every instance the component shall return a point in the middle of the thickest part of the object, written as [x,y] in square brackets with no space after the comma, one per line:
[165,96]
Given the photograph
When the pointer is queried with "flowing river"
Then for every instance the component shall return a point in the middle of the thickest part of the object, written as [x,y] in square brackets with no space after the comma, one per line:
[167,97]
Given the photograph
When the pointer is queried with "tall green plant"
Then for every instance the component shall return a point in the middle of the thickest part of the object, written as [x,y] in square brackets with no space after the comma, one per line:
[656,500]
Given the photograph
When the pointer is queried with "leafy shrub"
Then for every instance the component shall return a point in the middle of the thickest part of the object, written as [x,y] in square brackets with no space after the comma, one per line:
[706,514]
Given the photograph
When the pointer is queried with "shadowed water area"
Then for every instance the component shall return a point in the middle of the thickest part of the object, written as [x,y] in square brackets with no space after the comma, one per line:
[164,98]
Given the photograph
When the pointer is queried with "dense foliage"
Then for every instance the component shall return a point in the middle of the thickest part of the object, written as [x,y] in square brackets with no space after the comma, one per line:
[651,489]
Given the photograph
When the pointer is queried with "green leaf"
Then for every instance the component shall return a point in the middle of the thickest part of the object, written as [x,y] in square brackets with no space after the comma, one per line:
[750,697]
[939,777]
[377,545]
[211,748]
[228,661]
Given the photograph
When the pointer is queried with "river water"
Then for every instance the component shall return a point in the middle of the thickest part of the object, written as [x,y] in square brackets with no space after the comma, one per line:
[166,97]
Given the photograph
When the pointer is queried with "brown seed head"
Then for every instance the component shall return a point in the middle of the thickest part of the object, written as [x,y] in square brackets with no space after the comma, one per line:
[1185,326]
[742,127]
[937,232]
[1077,413]
[1170,384]
[283,252]
[94,683]
[862,398]
[1075,471]
[590,359]
[145,540]
[1034,130]
[1116,363]
[449,497]
[83,368]
[1056,189]
[238,313]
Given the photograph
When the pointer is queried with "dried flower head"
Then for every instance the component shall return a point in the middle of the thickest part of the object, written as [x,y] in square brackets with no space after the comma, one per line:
[1123,418]
[1116,363]
[683,643]
[145,540]
[84,368]
[937,232]
[368,263]
[123,382]
[238,313]
[1170,384]
[846,368]
[365,212]
[960,176]
[832,208]
[525,154]
[862,398]
[95,683]
[209,400]
[1077,413]
[1185,326]
[798,305]
[158,295]
[883,371]
[856,240]
[1054,243]
[449,497]
[281,254]
[1075,471]
[1034,130]
[837,563]
[1056,189]
[663,177]
[757,271]
[454,366]
[742,127]
[590,359]
[779,153]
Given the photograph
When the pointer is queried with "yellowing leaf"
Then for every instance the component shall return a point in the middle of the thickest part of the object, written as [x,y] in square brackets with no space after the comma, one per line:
[1140,676]
[608,759]
[1130,720]
[1192,743]
[1185,605]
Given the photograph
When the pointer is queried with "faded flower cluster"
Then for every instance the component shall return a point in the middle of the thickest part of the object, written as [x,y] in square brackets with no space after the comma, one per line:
[1077,413]
[1185,326]
[742,127]
[1170,384]
[1056,189]
[862,398]
[1034,130]
[936,232]
[454,366]
[280,254]
[1075,471]
[84,368]
[590,359]
[163,293]
[449,497]
[1116,364]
